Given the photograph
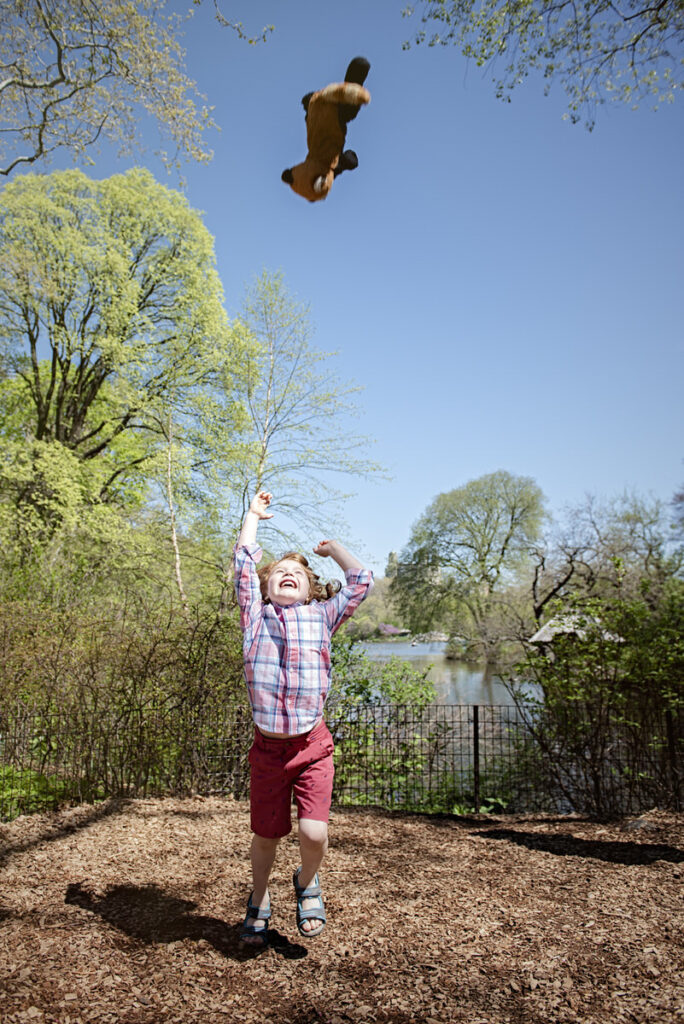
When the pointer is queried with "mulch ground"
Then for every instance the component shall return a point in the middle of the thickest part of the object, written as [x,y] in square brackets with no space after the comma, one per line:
[129,913]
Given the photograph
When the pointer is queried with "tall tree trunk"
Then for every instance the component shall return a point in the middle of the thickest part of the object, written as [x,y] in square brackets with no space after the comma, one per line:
[172,520]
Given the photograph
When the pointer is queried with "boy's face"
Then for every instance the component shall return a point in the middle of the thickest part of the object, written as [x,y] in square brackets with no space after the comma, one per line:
[288,583]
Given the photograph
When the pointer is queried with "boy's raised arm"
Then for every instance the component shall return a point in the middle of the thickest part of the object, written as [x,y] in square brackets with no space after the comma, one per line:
[258,509]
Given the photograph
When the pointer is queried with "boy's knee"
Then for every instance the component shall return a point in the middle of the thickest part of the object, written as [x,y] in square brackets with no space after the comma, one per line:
[313,832]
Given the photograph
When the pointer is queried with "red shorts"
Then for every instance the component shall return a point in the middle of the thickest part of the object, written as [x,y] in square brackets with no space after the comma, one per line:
[279,767]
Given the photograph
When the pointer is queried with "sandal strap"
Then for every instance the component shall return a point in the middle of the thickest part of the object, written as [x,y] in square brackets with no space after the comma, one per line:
[313,913]
[250,929]
[313,890]
[258,913]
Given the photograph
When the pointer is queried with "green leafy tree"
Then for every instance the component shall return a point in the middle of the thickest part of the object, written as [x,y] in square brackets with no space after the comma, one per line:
[75,70]
[597,50]
[607,664]
[111,316]
[467,545]
[607,708]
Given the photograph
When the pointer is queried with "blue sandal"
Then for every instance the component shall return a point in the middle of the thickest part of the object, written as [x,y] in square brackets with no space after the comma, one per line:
[249,931]
[313,913]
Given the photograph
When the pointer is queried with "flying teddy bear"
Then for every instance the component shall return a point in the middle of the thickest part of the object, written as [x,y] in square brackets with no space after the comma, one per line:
[328,113]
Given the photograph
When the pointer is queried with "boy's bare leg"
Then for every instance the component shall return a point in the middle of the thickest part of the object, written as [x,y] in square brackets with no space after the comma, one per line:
[262,854]
[313,846]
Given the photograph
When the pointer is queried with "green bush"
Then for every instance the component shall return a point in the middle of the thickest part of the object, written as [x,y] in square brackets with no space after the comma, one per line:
[23,791]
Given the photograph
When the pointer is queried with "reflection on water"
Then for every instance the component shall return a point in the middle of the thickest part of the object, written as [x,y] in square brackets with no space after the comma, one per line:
[456,682]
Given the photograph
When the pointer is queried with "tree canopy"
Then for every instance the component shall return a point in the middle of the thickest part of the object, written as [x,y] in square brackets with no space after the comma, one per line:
[74,71]
[597,50]
[111,320]
[467,543]
[133,414]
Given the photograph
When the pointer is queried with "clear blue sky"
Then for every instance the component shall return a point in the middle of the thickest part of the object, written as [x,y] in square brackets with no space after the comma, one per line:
[507,287]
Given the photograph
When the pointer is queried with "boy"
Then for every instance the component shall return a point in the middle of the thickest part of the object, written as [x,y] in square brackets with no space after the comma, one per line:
[287,617]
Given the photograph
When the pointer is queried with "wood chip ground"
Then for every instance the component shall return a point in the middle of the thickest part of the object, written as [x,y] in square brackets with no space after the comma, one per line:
[128,913]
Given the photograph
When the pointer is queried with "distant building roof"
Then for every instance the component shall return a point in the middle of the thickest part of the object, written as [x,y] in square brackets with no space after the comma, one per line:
[569,624]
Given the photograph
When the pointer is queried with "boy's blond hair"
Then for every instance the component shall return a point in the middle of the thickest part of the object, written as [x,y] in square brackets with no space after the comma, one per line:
[318,590]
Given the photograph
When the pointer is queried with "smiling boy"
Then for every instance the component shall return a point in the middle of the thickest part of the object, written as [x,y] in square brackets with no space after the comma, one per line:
[288,616]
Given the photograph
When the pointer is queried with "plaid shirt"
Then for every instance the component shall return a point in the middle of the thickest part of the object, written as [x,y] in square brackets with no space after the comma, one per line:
[287,650]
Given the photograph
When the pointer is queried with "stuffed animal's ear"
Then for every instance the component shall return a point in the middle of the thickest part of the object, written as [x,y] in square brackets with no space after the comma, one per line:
[286,176]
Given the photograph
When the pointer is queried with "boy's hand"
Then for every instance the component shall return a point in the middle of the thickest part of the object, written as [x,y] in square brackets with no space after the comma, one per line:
[255,513]
[259,505]
[324,548]
[333,549]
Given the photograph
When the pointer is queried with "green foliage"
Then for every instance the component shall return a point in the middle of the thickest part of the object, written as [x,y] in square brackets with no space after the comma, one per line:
[358,680]
[127,698]
[465,547]
[401,756]
[75,71]
[128,408]
[456,793]
[598,51]
[606,711]
[489,805]
[29,792]
[373,712]
[131,651]
[392,686]
[116,281]
[621,651]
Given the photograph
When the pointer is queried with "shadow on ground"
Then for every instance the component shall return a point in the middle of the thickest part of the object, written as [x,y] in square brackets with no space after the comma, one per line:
[571,846]
[149,914]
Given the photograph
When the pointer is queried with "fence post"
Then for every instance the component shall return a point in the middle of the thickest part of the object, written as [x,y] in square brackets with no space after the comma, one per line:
[476,757]
[672,751]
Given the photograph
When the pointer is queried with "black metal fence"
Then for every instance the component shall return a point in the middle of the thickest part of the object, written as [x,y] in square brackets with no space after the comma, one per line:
[450,758]
[479,758]
[48,759]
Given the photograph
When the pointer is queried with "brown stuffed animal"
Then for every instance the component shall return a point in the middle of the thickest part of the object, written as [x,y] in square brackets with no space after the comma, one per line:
[328,112]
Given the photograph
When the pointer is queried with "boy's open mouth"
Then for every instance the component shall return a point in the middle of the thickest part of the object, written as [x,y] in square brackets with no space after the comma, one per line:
[289,583]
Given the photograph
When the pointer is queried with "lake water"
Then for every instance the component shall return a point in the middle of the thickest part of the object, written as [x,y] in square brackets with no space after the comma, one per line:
[456,682]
